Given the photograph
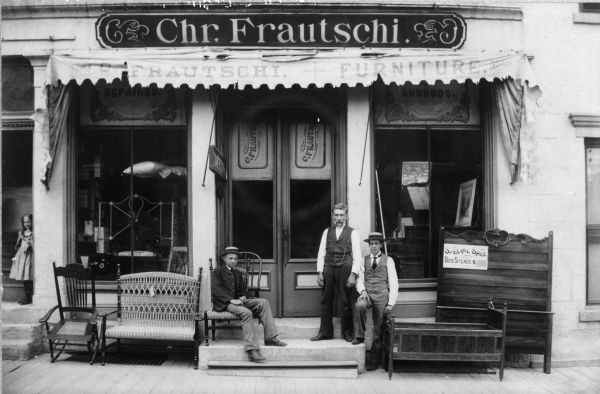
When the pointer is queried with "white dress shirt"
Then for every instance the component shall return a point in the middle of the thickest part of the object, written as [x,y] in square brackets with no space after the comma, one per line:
[392,278]
[356,252]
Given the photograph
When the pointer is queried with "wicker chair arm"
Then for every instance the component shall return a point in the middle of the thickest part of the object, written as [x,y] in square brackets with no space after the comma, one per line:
[105,315]
[48,314]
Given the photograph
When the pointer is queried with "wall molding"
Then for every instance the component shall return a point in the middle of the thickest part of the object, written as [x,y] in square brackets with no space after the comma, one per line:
[586,125]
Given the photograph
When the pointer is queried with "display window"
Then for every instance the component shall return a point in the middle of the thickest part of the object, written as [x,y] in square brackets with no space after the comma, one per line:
[429,158]
[132,200]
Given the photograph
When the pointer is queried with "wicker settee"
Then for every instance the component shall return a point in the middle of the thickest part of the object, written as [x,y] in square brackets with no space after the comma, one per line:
[156,306]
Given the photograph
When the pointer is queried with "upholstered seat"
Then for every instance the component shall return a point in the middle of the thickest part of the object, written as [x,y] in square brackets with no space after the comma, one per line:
[154,330]
[223,315]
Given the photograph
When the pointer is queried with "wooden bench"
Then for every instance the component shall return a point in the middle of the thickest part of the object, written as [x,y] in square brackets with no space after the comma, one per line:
[156,306]
[482,342]
[519,273]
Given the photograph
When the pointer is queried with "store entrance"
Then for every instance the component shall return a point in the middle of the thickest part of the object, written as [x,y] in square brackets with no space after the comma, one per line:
[280,201]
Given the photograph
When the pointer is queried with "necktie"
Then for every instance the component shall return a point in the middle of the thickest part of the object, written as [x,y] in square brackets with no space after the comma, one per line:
[373,262]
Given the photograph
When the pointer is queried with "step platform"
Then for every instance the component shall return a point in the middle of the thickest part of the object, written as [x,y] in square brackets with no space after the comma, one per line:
[301,358]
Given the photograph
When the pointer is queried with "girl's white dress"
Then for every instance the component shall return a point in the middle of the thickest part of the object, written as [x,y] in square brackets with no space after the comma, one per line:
[21,266]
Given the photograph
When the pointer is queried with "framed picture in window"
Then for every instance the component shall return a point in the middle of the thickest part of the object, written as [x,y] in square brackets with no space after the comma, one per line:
[466,198]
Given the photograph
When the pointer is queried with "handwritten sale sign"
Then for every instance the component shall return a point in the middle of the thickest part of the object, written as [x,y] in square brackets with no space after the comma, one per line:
[472,257]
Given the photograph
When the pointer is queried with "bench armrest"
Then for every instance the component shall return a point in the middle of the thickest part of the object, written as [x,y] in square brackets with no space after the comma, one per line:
[532,312]
[48,314]
[461,308]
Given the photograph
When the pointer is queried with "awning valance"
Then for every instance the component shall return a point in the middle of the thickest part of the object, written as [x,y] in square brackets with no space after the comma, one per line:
[287,68]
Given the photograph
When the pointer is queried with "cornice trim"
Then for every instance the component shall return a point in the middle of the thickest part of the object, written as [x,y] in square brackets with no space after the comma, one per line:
[586,125]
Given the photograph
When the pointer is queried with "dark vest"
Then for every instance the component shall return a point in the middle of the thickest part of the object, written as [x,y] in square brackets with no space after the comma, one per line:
[338,251]
[376,280]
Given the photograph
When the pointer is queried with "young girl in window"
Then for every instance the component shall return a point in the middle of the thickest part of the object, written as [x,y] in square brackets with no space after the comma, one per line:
[21,267]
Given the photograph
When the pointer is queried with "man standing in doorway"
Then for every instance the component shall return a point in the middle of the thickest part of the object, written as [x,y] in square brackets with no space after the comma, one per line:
[338,264]
[378,288]
[228,287]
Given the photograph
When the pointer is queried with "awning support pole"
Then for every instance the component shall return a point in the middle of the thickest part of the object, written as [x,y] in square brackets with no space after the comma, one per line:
[380,211]
[362,167]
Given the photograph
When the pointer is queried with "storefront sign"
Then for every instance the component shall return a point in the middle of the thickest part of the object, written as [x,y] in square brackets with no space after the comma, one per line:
[121,104]
[473,257]
[320,28]
[216,162]
[440,103]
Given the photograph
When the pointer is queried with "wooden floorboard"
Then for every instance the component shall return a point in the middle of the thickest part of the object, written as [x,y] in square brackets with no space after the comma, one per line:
[179,376]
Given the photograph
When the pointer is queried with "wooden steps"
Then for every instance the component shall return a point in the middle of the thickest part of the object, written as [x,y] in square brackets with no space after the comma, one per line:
[312,369]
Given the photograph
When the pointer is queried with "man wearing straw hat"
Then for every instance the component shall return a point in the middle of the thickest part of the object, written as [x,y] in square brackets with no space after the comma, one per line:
[228,287]
[377,285]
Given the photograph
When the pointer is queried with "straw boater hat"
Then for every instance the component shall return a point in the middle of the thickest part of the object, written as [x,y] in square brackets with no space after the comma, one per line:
[375,236]
[230,250]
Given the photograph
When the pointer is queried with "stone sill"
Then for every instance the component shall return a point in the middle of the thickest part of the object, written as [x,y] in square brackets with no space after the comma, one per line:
[589,315]
[589,18]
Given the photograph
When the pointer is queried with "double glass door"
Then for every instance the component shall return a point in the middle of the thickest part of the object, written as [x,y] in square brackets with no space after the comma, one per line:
[280,202]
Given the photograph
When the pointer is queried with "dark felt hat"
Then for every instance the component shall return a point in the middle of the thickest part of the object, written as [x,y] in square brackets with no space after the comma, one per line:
[375,236]
[229,250]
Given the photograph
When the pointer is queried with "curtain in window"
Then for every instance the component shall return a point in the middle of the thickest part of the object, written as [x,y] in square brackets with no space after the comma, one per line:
[52,125]
[506,109]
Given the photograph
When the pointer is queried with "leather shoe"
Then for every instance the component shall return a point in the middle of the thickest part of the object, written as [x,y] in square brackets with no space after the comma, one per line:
[358,341]
[255,356]
[320,337]
[274,342]
[371,367]
[348,337]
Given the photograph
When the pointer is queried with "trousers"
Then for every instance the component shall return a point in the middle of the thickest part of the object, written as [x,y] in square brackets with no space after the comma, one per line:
[254,307]
[335,278]
[377,302]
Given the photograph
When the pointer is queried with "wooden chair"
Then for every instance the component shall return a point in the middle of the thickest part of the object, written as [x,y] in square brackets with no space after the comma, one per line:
[73,329]
[252,271]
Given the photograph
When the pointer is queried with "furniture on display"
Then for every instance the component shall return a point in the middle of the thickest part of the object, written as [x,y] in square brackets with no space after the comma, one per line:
[156,306]
[481,342]
[149,226]
[519,273]
[252,271]
[78,321]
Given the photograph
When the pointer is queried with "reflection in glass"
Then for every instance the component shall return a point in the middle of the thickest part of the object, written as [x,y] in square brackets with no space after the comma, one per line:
[310,203]
[252,217]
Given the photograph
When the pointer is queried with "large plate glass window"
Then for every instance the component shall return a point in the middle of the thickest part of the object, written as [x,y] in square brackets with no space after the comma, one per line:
[132,181]
[429,164]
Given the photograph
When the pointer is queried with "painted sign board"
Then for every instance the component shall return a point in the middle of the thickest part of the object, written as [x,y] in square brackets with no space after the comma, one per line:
[319,28]
[216,162]
[473,257]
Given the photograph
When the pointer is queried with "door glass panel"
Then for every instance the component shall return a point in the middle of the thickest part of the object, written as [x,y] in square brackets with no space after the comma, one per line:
[593,237]
[252,216]
[310,202]
[593,185]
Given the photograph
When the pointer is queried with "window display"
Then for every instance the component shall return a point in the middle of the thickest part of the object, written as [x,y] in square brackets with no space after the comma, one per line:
[421,171]
[132,192]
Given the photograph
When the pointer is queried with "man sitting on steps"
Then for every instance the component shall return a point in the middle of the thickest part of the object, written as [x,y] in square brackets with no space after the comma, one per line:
[228,287]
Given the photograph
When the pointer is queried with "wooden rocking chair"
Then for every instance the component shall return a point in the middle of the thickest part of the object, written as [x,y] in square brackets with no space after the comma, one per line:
[252,269]
[78,321]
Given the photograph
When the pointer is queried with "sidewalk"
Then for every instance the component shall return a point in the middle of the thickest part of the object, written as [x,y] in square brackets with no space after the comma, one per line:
[178,376]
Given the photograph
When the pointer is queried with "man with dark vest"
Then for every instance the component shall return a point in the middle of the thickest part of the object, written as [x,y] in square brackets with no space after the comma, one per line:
[229,288]
[338,264]
[377,285]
